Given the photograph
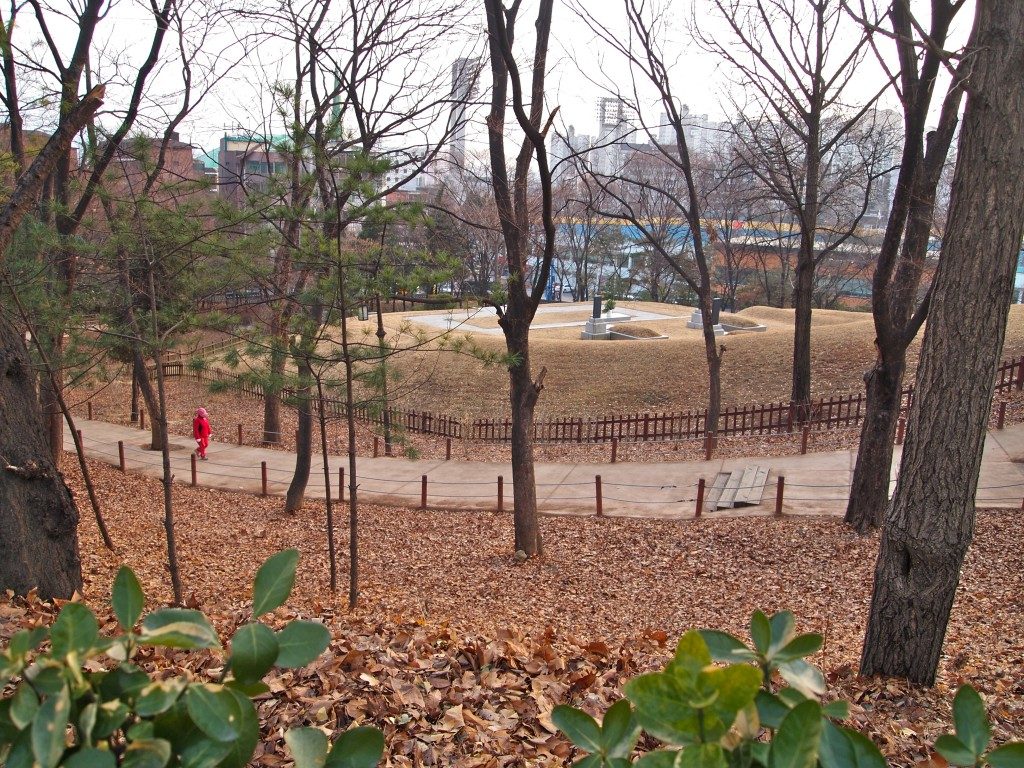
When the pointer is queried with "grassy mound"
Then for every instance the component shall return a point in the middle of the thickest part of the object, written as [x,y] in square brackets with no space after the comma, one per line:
[636,331]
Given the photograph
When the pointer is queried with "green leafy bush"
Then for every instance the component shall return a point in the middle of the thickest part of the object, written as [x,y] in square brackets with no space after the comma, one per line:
[82,703]
[761,708]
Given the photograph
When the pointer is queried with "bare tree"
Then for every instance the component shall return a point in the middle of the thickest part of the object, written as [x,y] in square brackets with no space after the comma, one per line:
[796,59]
[895,306]
[465,225]
[768,238]
[729,194]
[584,236]
[512,201]
[663,186]
[359,105]
[930,522]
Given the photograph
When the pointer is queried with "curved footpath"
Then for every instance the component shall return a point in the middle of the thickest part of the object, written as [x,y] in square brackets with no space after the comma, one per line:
[817,483]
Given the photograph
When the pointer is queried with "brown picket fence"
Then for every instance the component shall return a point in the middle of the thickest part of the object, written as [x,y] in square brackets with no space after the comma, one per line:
[826,413]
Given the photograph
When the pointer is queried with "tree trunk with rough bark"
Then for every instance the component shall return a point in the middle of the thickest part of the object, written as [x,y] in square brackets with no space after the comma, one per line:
[895,307]
[304,436]
[50,404]
[512,203]
[800,393]
[150,397]
[930,521]
[38,518]
[869,490]
[523,396]
[271,399]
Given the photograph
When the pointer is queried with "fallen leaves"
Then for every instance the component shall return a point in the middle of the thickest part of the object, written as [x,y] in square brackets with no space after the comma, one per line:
[460,655]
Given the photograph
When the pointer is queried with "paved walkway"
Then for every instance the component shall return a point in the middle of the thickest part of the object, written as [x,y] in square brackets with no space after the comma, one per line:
[817,483]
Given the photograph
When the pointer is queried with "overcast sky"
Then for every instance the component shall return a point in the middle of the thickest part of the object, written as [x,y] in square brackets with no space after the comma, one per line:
[581,68]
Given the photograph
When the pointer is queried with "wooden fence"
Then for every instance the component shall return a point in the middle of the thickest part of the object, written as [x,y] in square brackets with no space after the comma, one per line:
[765,419]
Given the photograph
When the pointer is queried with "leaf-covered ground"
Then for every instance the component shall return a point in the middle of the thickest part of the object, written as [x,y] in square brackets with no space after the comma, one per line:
[459,653]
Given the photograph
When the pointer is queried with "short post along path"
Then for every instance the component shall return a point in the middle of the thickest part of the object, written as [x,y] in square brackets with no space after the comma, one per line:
[815,483]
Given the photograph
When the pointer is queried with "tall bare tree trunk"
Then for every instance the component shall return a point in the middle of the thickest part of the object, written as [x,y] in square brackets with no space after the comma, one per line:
[895,308]
[800,392]
[50,403]
[523,395]
[869,491]
[803,291]
[382,348]
[930,522]
[511,200]
[714,359]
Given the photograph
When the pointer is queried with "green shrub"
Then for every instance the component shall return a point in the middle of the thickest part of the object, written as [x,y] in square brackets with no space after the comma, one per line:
[736,716]
[61,712]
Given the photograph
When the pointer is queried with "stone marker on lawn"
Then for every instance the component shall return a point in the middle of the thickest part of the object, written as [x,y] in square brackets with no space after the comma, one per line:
[696,319]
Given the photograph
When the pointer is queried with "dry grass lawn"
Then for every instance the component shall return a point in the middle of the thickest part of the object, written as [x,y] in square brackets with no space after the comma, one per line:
[619,376]
[606,377]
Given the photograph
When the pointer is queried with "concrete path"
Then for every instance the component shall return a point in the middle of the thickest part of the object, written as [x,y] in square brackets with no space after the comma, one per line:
[817,483]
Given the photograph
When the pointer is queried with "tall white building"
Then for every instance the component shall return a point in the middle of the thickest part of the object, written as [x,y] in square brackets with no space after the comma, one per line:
[564,148]
[614,131]
[703,136]
[465,74]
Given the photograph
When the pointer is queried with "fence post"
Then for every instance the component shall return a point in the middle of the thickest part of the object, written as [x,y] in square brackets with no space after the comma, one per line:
[501,493]
[1020,375]
[803,439]
[263,478]
[901,428]
[341,484]
[120,454]
[615,449]
[779,491]
[193,462]
[700,498]
[597,495]
[88,408]
[376,446]
[239,434]
[1001,419]
[447,449]
[423,492]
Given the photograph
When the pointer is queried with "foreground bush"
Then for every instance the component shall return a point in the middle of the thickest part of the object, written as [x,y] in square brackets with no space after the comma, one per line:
[61,713]
[762,708]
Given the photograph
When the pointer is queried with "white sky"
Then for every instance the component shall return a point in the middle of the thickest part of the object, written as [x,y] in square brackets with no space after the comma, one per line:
[580,70]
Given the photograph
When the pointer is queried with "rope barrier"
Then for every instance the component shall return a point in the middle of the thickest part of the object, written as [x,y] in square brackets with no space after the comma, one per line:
[650,501]
[145,458]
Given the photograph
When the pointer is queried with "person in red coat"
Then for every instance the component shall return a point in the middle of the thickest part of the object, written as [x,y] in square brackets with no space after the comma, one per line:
[201,432]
